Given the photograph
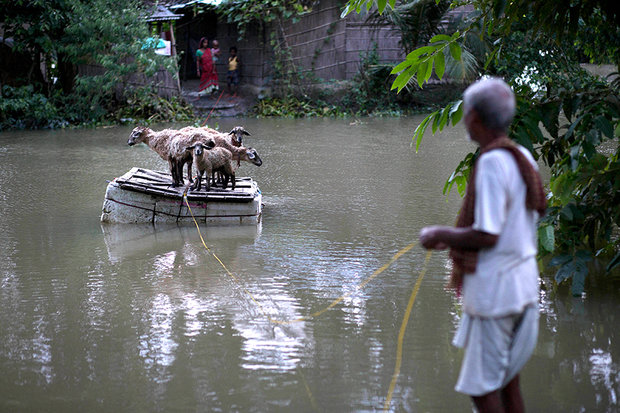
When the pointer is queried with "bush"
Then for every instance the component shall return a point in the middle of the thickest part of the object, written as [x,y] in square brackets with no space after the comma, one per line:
[22,108]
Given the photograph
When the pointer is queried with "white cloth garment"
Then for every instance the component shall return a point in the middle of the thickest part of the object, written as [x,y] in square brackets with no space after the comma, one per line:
[496,349]
[499,327]
[506,277]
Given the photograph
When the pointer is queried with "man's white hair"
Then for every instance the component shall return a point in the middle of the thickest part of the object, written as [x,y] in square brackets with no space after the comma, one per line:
[493,101]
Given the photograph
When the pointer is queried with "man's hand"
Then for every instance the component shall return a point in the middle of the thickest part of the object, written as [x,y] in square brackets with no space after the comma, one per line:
[430,237]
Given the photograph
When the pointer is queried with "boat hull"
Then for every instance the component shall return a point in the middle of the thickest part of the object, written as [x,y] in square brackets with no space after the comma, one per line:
[144,196]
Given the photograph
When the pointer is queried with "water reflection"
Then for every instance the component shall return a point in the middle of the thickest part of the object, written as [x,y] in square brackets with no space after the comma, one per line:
[143,318]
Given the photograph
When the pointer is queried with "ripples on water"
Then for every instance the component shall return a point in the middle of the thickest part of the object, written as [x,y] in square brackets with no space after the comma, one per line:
[143,318]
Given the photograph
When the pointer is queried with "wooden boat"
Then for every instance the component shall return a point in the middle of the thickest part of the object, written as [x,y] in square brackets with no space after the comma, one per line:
[144,196]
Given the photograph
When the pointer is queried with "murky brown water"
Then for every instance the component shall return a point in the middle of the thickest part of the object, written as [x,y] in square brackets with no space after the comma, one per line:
[136,318]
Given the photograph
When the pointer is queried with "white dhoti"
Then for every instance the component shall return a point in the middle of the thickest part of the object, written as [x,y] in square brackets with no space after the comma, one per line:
[496,349]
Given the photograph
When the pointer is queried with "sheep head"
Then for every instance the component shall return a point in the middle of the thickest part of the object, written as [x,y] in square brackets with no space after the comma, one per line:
[237,135]
[199,147]
[137,135]
[253,156]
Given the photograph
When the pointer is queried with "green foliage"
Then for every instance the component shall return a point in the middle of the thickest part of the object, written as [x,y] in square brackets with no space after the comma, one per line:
[360,5]
[291,107]
[416,20]
[568,119]
[92,49]
[246,12]
[22,108]
[144,104]
[371,91]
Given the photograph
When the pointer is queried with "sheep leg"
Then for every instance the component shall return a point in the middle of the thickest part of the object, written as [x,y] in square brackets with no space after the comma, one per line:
[173,173]
[189,171]
[179,173]
[207,183]
[196,185]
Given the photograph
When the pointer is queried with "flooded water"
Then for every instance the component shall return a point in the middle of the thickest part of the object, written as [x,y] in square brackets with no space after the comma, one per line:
[144,319]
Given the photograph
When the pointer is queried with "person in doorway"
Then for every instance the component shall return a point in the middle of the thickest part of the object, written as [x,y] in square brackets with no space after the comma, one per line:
[206,69]
[233,71]
[493,249]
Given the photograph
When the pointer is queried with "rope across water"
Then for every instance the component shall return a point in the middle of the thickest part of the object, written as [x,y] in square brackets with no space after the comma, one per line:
[408,311]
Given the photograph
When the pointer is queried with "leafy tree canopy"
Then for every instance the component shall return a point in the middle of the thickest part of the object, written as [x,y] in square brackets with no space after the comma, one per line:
[104,36]
[566,117]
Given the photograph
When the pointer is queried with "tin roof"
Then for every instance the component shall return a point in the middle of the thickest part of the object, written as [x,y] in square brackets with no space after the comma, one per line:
[162,14]
[186,3]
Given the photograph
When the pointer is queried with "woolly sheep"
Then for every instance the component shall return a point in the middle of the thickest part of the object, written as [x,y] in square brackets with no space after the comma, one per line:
[169,144]
[180,156]
[219,159]
[231,141]
[157,141]
[235,136]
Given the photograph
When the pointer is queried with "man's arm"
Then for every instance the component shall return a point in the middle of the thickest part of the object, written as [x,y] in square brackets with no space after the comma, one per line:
[442,237]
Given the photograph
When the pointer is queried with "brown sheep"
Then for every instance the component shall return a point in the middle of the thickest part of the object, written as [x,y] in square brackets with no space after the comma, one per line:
[220,159]
[169,144]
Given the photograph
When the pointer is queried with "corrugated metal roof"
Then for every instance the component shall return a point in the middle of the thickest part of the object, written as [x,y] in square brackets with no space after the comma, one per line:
[162,14]
[188,3]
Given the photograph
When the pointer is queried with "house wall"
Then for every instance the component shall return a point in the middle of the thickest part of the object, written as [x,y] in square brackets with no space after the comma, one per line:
[321,43]
[332,48]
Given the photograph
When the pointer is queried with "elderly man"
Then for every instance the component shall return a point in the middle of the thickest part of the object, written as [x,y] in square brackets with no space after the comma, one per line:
[493,249]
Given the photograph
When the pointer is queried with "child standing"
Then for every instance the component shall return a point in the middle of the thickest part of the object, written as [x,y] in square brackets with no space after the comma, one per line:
[215,50]
[233,71]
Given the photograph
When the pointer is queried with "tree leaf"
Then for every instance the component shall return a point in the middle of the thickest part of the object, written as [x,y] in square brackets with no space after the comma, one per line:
[456,113]
[444,117]
[579,275]
[381,5]
[422,72]
[605,126]
[546,237]
[440,65]
[615,261]
[579,278]
[419,131]
[419,52]
[400,67]
[560,260]
[455,51]
[565,272]
[440,38]
[403,78]
[461,184]
[429,68]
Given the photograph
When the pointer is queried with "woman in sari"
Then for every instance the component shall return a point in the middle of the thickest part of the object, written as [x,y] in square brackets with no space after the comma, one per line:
[206,69]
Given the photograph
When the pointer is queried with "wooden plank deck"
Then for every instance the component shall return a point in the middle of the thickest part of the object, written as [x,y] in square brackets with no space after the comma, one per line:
[145,196]
[160,184]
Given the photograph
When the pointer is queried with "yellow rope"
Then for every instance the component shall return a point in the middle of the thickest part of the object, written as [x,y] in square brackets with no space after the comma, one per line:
[403,327]
[316,313]
[401,333]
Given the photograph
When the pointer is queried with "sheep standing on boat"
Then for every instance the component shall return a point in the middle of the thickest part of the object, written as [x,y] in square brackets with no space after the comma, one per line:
[231,141]
[219,159]
[170,145]
[235,136]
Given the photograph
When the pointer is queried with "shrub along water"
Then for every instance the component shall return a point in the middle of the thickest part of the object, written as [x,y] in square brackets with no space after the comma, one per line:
[104,38]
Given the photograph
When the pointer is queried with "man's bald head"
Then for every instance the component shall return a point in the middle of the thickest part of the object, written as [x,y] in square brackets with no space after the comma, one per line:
[493,101]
